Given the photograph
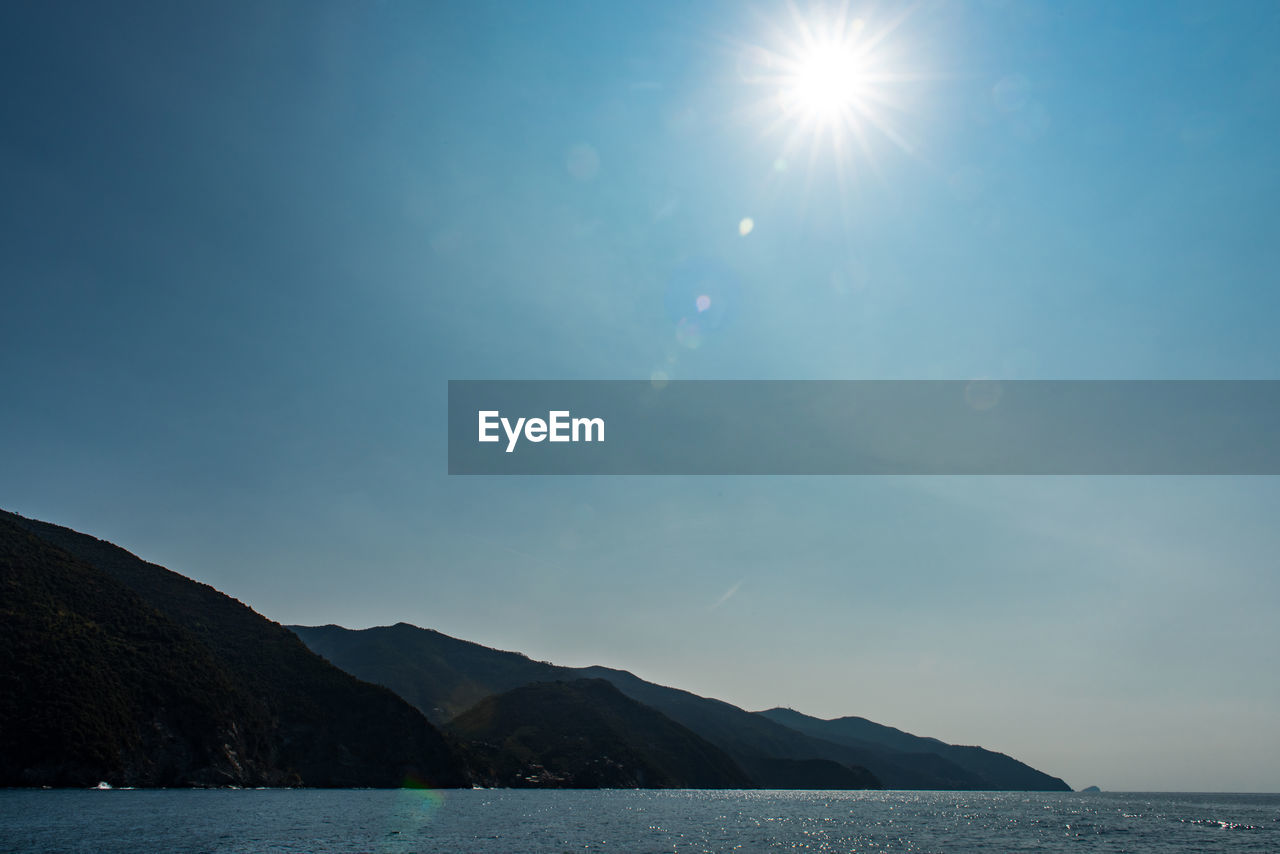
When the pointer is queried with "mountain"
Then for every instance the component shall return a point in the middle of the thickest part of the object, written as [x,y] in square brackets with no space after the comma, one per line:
[120,670]
[442,676]
[993,770]
[115,669]
[588,734]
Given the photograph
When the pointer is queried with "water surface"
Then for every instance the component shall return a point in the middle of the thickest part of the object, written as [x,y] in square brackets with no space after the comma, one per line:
[325,821]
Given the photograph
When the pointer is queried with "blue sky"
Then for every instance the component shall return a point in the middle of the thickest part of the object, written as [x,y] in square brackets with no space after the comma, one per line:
[246,246]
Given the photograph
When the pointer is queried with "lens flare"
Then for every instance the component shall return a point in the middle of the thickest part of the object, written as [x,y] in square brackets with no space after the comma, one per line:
[412,811]
[430,798]
[701,298]
[689,334]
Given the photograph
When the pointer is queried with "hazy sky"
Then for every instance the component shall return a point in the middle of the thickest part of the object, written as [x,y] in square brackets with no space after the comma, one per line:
[246,245]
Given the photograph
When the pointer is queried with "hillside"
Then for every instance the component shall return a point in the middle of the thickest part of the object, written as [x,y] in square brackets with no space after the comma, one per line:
[996,770]
[440,675]
[587,734]
[751,738]
[97,685]
[120,670]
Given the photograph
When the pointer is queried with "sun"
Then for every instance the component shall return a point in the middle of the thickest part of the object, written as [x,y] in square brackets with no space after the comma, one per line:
[831,80]
[827,83]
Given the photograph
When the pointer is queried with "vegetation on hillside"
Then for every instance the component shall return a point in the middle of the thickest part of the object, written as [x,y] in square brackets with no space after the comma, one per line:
[120,670]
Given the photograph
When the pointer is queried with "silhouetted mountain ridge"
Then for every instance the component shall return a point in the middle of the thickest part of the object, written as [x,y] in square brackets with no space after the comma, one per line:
[115,669]
[441,675]
[990,769]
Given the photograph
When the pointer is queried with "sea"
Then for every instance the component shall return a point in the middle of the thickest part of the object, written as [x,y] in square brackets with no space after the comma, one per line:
[513,820]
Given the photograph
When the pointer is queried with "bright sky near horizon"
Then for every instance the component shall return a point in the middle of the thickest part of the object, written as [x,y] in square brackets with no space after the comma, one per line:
[246,245]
